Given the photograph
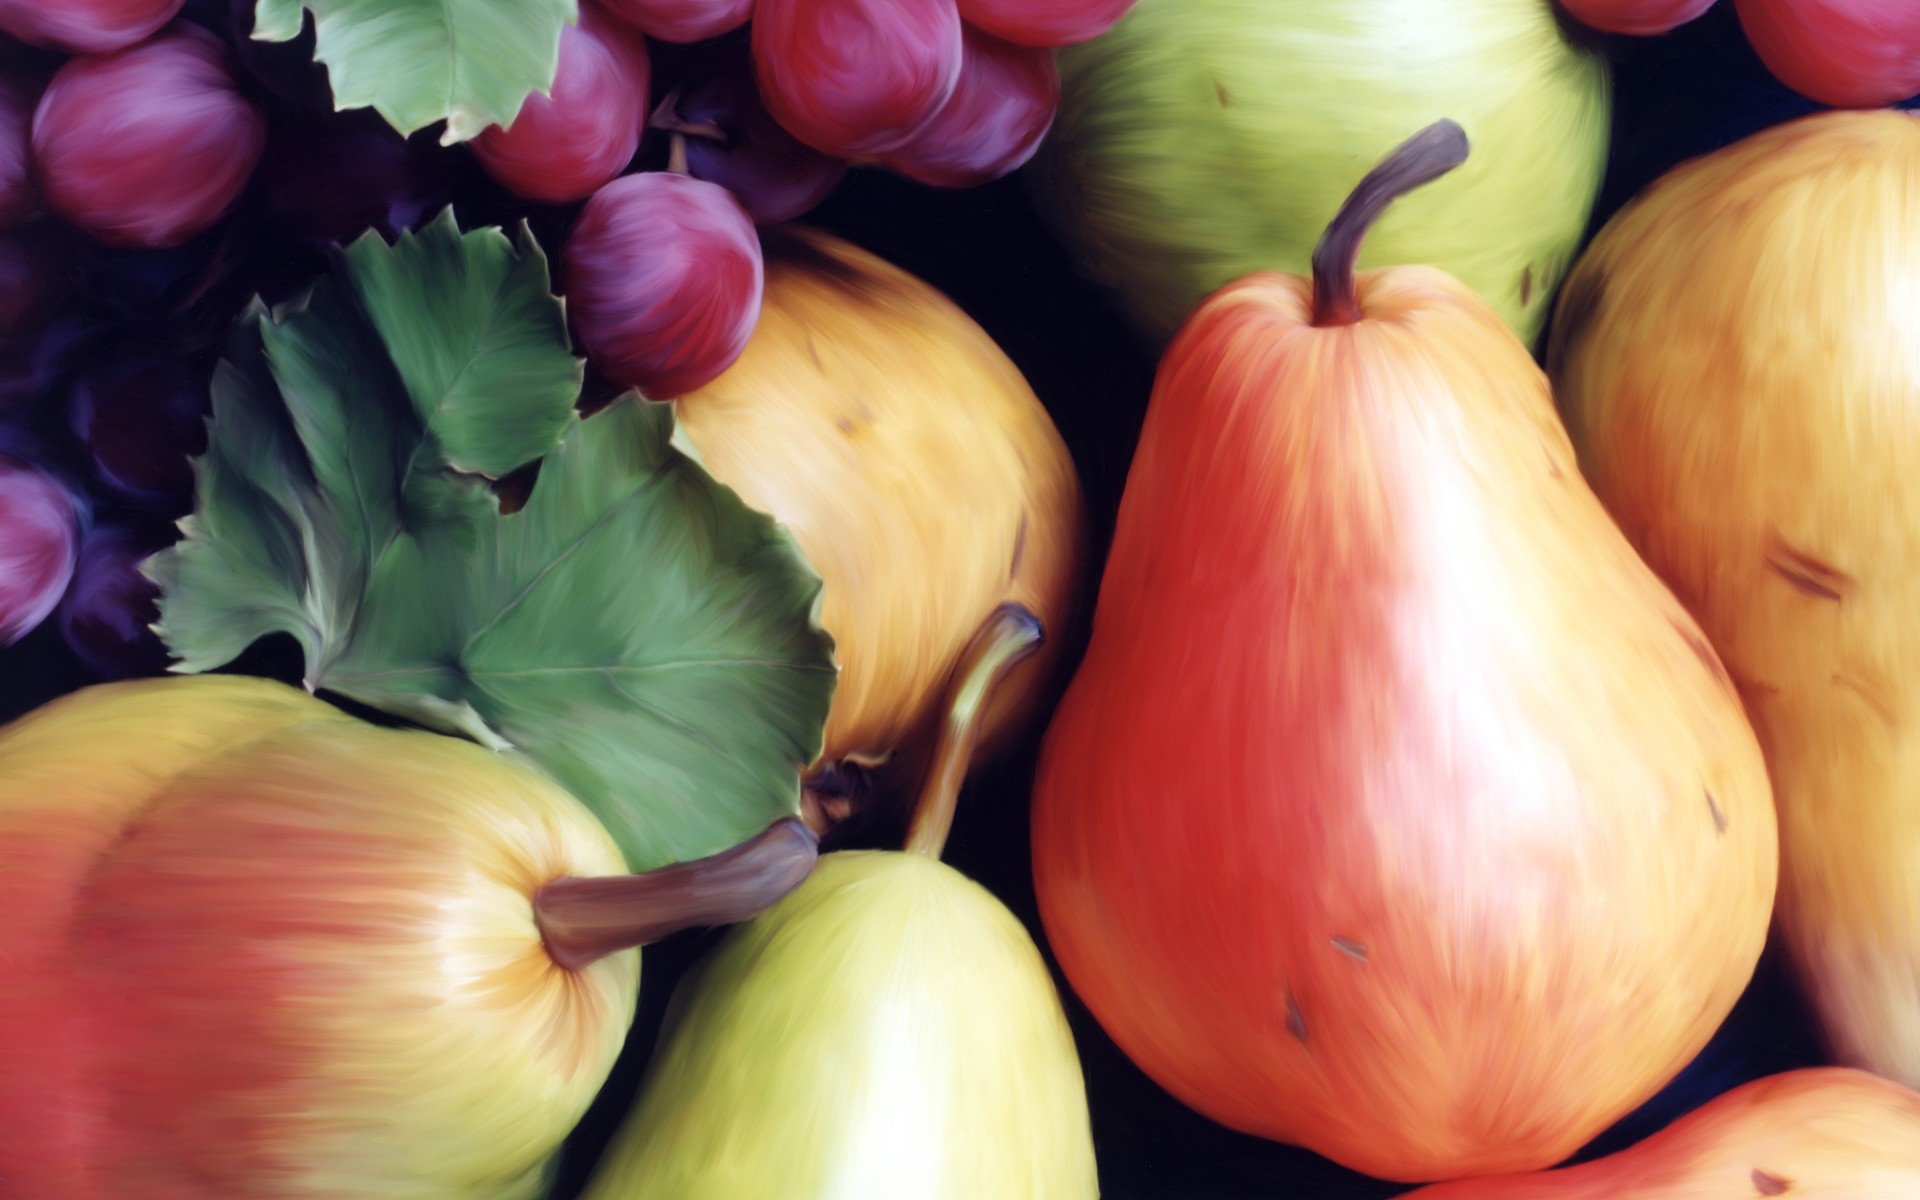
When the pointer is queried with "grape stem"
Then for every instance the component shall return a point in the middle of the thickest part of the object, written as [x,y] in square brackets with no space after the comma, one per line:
[677,155]
[1419,160]
[583,920]
[666,117]
[1008,636]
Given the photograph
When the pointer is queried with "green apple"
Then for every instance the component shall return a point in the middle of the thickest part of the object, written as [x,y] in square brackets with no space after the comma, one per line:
[1202,140]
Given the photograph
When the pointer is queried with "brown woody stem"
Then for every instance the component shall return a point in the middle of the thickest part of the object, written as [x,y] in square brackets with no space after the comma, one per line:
[1419,160]
[1007,636]
[666,117]
[583,920]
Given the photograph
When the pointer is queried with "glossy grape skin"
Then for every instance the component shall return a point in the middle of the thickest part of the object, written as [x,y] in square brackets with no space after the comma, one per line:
[147,146]
[854,78]
[85,26]
[682,21]
[663,280]
[141,421]
[39,533]
[560,148]
[107,613]
[1636,18]
[995,120]
[775,176]
[1044,22]
[18,197]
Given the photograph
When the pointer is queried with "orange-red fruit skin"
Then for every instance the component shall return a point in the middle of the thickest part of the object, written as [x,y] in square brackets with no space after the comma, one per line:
[1823,1133]
[256,948]
[1397,810]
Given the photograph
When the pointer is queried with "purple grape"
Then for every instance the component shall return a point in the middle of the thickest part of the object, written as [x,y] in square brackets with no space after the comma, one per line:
[33,279]
[186,296]
[855,78]
[34,366]
[731,140]
[107,614]
[663,281]
[85,26]
[141,421]
[996,118]
[562,146]
[39,528]
[334,182]
[149,146]
[18,197]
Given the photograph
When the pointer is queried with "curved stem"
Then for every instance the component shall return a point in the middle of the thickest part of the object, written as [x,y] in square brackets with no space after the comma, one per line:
[583,920]
[1419,160]
[666,113]
[677,155]
[666,118]
[1007,636]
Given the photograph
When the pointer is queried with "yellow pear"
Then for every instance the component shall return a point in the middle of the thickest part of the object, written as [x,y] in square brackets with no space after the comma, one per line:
[917,471]
[1738,355]
[888,1030]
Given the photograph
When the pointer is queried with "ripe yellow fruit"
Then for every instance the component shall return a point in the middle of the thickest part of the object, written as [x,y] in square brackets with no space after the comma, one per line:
[1738,357]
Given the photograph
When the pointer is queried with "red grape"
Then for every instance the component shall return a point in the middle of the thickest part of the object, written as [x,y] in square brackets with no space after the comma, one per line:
[150,145]
[559,148]
[33,279]
[85,26]
[663,279]
[39,526]
[1044,22]
[107,614]
[855,78]
[141,421]
[682,21]
[733,141]
[1638,18]
[994,121]
[18,200]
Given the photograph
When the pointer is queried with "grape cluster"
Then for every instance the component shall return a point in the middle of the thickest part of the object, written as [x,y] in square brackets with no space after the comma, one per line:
[160,168]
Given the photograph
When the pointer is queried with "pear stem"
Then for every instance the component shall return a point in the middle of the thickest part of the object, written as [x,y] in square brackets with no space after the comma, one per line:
[584,920]
[1009,635]
[1418,161]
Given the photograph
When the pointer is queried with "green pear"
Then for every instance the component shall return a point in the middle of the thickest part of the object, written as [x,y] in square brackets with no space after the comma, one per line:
[889,1030]
[1199,141]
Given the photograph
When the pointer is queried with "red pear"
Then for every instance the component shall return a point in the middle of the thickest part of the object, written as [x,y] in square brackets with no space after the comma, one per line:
[1397,809]
[257,949]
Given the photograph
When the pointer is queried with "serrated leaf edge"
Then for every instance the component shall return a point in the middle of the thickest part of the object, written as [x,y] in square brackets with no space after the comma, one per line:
[463,123]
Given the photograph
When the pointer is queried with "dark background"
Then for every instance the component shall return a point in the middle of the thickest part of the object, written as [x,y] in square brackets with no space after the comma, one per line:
[1684,94]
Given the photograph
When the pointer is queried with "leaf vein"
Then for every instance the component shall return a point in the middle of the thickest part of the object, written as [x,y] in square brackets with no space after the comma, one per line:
[643,488]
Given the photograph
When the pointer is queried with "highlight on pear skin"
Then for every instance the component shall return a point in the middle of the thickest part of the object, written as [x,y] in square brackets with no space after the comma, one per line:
[959,599]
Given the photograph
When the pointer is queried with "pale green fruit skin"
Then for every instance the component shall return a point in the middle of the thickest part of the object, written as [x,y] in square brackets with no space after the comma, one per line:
[887,1030]
[1199,141]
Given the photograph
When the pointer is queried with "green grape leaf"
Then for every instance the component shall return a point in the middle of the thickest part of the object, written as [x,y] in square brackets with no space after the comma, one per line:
[635,630]
[468,62]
